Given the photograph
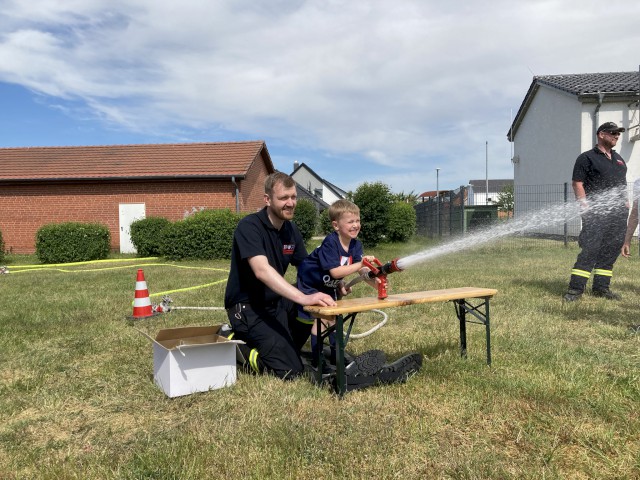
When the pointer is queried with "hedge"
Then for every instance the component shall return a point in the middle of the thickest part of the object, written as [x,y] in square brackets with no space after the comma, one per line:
[205,235]
[147,235]
[72,242]
[401,223]
[306,218]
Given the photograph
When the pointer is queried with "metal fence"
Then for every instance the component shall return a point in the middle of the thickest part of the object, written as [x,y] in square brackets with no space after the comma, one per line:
[454,215]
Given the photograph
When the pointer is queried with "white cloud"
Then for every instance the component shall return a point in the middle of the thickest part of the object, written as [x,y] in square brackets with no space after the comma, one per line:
[401,86]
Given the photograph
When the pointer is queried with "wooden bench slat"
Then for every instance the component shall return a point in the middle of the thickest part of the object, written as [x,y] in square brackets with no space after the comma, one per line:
[351,305]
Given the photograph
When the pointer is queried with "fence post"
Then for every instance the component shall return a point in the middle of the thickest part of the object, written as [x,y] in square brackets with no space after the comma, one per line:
[463,191]
[450,212]
[566,229]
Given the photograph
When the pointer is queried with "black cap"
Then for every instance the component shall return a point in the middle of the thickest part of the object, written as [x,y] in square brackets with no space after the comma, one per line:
[610,127]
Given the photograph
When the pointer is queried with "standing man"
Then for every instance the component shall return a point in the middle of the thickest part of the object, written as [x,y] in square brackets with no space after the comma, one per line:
[258,299]
[600,186]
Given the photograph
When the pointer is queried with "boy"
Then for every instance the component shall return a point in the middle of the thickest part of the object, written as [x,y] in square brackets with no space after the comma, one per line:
[339,255]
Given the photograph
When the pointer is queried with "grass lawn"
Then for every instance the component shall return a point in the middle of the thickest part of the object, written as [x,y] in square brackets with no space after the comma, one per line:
[561,400]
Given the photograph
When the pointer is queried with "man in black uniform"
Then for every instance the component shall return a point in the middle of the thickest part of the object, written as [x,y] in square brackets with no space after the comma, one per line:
[258,299]
[600,187]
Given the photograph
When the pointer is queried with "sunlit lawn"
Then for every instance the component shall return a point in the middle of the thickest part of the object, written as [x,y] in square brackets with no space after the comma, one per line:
[561,399]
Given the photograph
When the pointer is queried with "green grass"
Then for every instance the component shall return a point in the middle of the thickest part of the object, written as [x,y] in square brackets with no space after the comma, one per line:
[560,400]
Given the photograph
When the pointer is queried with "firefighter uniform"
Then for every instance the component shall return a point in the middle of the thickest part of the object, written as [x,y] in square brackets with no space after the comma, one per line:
[603,229]
[259,316]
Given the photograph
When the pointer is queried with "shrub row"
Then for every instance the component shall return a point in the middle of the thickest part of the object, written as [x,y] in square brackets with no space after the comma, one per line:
[205,235]
[72,242]
[208,234]
[383,220]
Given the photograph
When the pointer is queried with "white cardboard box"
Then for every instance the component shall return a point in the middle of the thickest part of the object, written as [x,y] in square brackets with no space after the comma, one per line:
[193,359]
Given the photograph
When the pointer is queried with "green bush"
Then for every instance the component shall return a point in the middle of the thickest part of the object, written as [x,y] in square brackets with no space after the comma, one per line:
[326,227]
[147,234]
[306,218]
[205,235]
[374,200]
[72,242]
[401,224]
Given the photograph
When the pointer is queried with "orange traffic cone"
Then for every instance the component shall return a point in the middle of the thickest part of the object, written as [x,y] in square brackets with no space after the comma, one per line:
[142,303]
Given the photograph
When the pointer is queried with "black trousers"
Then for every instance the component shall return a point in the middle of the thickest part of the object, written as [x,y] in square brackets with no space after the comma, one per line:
[272,344]
[600,240]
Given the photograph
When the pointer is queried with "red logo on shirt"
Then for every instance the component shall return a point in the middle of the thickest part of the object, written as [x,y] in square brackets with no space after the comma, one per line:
[288,248]
[620,162]
[345,261]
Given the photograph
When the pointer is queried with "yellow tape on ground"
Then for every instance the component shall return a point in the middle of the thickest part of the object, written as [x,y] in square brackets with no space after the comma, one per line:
[87,262]
[35,269]
[187,288]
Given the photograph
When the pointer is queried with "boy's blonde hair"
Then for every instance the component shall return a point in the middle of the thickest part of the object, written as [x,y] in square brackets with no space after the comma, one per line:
[340,207]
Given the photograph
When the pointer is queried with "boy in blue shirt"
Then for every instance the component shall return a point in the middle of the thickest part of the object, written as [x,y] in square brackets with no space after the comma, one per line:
[339,255]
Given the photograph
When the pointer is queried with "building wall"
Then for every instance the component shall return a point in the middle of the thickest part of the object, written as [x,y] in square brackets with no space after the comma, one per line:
[328,196]
[549,139]
[25,208]
[307,180]
[252,187]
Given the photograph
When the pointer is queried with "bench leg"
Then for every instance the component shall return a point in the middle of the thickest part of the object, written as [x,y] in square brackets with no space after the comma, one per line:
[482,317]
[462,317]
[340,344]
[320,359]
[487,325]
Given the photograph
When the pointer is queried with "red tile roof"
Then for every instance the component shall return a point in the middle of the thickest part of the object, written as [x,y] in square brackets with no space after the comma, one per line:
[112,162]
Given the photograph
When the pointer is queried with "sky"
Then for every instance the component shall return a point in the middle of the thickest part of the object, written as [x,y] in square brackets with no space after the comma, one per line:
[359,90]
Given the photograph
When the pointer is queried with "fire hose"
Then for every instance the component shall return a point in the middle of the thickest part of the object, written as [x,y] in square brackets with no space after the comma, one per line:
[375,270]
[165,307]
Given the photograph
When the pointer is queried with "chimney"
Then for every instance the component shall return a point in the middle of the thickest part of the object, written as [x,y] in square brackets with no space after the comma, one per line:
[295,164]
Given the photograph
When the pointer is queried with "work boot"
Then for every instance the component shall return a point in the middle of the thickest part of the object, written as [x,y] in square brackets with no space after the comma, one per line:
[361,373]
[330,356]
[606,293]
[400,370]
[572,295]
[366,364]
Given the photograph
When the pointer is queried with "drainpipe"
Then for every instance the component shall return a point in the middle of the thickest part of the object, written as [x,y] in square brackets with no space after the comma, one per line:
[596,115]
[233,180]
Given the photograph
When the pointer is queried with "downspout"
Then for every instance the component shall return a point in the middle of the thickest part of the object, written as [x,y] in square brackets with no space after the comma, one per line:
[233,180]
[596,115]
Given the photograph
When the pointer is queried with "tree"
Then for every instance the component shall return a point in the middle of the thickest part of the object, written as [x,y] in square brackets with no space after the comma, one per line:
[401,224]
[306,218]
[411,198]
[506,201]
[374,200]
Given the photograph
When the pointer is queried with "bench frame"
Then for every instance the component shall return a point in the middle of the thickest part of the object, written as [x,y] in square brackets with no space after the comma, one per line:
[347,310]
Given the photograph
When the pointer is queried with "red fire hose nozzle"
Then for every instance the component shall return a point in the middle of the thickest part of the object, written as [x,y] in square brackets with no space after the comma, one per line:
[381,271]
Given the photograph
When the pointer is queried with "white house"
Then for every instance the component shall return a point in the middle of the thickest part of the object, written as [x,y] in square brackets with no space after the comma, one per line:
[557,120]
[311,181]
[483,192]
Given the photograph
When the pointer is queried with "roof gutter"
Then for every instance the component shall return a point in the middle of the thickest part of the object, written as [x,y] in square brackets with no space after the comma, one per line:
[596,114]
[154,178]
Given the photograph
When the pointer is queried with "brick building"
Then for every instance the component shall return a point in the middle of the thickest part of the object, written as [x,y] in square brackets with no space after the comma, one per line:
[115,185]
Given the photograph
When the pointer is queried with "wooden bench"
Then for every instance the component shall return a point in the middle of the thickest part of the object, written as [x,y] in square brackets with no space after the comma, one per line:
[348,308]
